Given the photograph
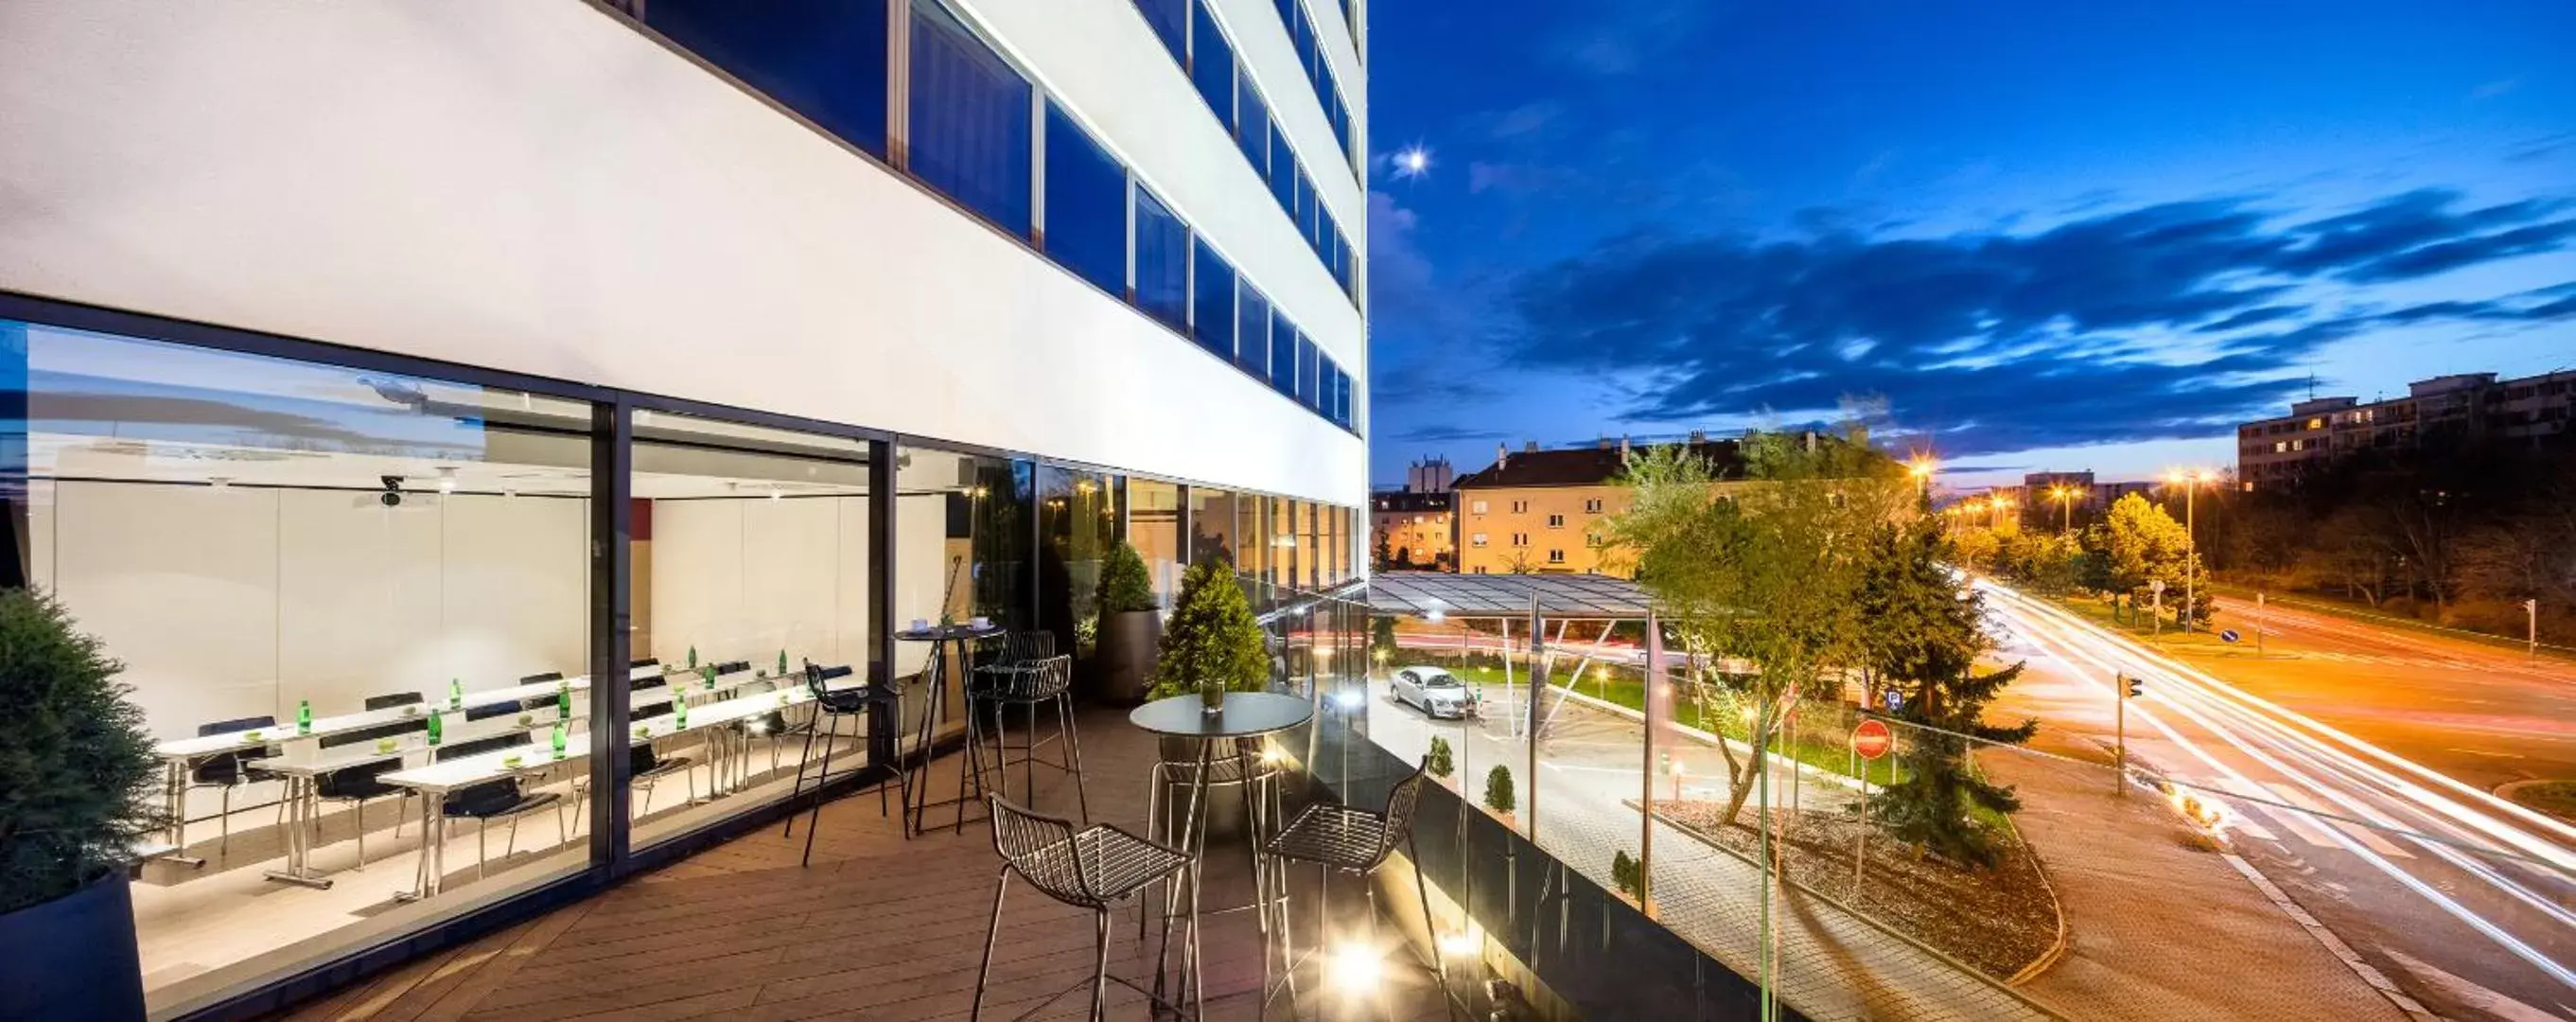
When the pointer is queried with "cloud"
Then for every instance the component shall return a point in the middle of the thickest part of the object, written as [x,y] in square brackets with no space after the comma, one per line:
[2494,89]
[1528,118]
[2159,321]
[1445,433]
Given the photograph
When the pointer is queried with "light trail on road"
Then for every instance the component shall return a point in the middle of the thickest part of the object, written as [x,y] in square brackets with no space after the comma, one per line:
[2304,754]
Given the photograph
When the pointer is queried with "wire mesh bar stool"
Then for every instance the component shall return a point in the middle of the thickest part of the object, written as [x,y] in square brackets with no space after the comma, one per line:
[1353,842]
[1246,764]
[1095,868]
[1048,682]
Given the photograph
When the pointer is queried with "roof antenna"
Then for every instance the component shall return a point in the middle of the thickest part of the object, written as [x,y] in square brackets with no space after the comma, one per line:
[2312,386]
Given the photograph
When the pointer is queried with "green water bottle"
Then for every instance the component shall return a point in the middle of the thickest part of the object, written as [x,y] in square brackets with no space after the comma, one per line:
[680,710]
[563,708]
[304,717]
[559,740]
[433,726]
[455,695]
[782,663]
[693,658]
[709,673]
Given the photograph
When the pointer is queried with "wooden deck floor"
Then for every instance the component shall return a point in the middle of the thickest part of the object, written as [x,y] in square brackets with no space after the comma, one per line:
[877,928]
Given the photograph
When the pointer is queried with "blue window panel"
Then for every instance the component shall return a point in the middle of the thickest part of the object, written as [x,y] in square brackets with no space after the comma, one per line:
[1342,263]
[824,59]
[1212,302]
[1171,20]
[1252,330]
[1302,33]
[1324,373]
[1162,262]
[1252,123]
[1283,171]
[1340,112]
[1287,12]
[1306,370]
[1304,201]
[1283,355]
[970,120]
[1086,205]
[1310,214]
[1341,399]
[1211,63]
[1324,248]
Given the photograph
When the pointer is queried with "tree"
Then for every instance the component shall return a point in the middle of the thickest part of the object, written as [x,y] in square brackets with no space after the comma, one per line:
[1498,790]
[1382,635]
[1384,557]
[1768,573]
[1626,874]
[1212,639]
[76,764]
[1125,583]
[1937,804]
[2141,544]
[1442,760]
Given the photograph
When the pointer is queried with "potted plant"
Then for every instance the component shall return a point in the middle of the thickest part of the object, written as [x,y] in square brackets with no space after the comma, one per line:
[1129,627]
[76,775]
[1499,797]
[1443,762]
[1628,876]
[1212,645]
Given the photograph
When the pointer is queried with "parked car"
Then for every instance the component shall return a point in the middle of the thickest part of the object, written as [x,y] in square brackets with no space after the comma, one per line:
[1435,692]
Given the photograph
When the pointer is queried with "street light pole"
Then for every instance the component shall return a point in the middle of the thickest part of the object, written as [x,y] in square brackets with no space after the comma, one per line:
[2531,621]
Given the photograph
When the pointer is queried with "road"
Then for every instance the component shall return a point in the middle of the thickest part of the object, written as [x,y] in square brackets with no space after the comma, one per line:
[2474,711]
[2467,903]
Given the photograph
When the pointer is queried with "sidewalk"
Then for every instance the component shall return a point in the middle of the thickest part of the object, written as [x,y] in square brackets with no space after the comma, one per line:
[2157,927]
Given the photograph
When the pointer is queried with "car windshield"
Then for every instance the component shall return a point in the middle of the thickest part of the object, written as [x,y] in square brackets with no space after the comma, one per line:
[1440,681]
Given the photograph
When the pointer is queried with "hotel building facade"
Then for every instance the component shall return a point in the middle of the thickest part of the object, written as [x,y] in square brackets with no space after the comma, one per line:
[369,356]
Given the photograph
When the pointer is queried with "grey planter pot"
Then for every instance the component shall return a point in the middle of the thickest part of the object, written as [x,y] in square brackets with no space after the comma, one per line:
[1128,642]
[73,957]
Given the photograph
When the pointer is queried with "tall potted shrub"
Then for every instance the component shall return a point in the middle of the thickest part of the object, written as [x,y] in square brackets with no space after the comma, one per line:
[76,770]
[1129,627]
[1211,646]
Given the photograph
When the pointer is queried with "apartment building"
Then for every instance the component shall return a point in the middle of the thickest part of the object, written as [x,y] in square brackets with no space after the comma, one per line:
[1530,510]
[2277,452]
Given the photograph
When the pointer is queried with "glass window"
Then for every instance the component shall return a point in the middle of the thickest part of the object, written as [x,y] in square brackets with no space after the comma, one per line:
[1283,171]
[1212,285]
[751,558]
[1302,33]
[1162,262]
[970,119]
[1252,331]
[1171,19]
[1251,123]
[1212,524]
[1154,529]
[1283,541]
[824,59]
[962,532]
[1283,355]
[1077,522]
[1086,205]
[1322,399]
[1302,209]
[259,538]
[1306,370]
[1211,63]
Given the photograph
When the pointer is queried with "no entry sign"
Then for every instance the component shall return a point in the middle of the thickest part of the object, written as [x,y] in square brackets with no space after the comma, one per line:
[1871,739]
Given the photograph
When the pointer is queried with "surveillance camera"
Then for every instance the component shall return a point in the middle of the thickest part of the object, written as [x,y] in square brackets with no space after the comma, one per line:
[390,498]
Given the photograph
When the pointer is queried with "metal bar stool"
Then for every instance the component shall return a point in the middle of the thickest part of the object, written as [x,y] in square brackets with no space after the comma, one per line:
[1226,769]
[1343,840]
[1044,682]
[884,703]
[1003,660]
[1095,868]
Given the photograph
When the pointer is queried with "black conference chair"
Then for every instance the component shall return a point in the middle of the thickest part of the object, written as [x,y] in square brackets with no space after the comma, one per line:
[359,783]
[547,676]
[393,699]
[226,771]
[884,706]
[495,799]
[1095,868]
[645,769]
[1340,840]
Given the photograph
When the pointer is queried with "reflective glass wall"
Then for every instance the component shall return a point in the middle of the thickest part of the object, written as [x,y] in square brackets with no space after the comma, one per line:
[1154,527]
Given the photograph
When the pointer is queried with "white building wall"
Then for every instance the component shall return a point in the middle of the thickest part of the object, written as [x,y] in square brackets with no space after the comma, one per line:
[532,185]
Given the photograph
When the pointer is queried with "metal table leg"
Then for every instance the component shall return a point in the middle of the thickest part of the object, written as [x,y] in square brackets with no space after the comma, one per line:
[303,814]
[433,849]
[175,793]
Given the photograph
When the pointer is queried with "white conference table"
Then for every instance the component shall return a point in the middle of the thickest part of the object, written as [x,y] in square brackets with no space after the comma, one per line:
[435,780]
[302,758]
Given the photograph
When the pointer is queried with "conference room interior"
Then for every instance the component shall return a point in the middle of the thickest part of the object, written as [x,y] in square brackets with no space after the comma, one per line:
[252,536]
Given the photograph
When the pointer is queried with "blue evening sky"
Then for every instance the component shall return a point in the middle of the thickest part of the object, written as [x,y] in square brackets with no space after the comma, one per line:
[2048,235]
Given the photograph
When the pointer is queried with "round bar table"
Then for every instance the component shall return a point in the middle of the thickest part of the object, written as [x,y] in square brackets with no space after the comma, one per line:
[939,637]
[1242,715]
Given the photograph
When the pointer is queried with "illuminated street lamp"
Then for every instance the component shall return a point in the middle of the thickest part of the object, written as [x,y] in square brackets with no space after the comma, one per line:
[2065,496]
[1999,504]
[2190,480]
[1921,467]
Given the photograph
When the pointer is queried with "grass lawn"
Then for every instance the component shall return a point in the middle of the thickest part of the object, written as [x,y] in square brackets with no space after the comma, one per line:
[2098,611]
[1821,747]
[2557,798]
